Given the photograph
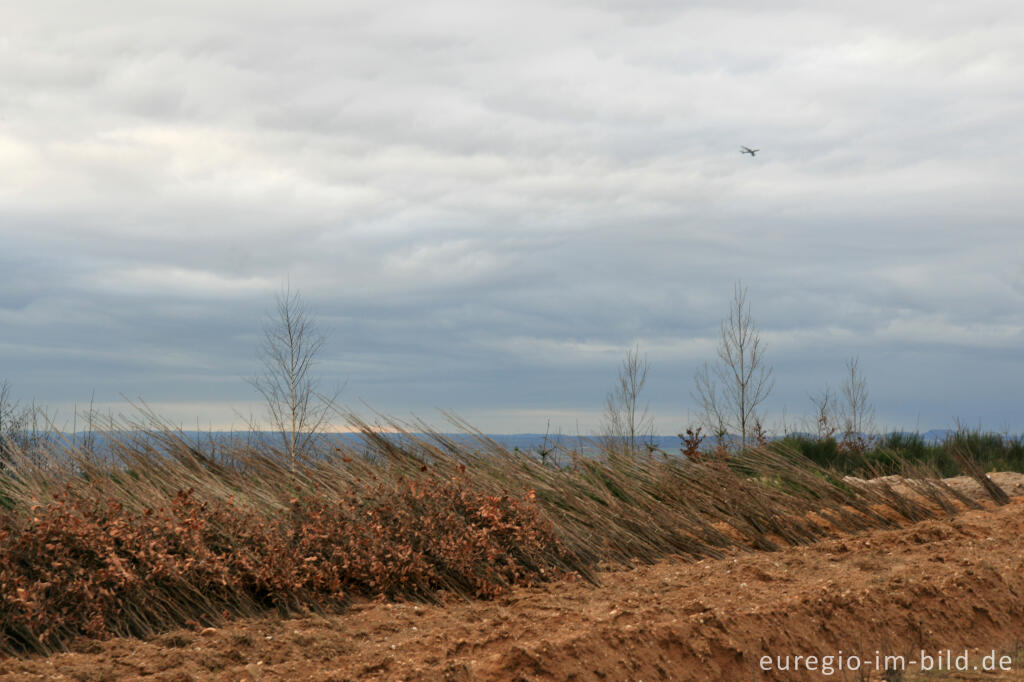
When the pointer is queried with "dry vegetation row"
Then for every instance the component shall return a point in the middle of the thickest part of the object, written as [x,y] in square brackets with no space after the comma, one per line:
[162,534]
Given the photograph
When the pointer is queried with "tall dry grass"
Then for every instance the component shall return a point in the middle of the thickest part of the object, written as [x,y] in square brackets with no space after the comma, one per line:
[160,531]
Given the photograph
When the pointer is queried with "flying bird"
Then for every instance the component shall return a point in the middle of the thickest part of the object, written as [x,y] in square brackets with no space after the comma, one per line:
[748,150]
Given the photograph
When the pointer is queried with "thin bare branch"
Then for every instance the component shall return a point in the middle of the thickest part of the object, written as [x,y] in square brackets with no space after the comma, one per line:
[292,343]
[626,422]
[730,391]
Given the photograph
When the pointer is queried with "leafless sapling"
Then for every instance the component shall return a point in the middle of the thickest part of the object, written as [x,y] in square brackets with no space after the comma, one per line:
[730,390]
[292,344]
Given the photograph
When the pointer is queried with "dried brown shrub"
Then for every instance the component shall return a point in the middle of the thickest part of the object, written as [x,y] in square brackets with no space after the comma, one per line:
[77,566]
[420,535]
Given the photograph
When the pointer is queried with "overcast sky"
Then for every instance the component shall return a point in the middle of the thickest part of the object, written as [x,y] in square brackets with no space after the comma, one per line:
[485,203]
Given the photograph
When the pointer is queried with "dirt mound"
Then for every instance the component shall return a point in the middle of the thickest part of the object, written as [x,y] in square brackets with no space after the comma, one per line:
[1011,482]
[939,585]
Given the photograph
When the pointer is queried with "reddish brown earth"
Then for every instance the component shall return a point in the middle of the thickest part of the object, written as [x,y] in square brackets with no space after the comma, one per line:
[940,585]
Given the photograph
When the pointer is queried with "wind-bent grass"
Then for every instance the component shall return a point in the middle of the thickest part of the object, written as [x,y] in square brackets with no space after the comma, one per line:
[161,533]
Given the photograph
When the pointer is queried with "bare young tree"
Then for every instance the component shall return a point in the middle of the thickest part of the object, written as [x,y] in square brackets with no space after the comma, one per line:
[291,346]
[9,421]
[857,413]
[730,391]
[824,413]
[626,422]
[712,403]
[23,429]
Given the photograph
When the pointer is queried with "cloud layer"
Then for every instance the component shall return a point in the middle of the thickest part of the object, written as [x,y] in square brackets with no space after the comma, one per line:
[486,204]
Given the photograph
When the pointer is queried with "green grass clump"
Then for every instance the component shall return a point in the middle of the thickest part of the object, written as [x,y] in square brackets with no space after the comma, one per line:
[894,452]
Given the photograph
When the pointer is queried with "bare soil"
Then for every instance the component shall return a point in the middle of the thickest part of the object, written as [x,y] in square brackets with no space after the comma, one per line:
[950,584]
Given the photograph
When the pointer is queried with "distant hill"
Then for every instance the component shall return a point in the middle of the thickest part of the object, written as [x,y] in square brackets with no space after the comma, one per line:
[529,442]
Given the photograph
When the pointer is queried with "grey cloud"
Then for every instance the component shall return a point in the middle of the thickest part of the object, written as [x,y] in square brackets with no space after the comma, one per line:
[485,204]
